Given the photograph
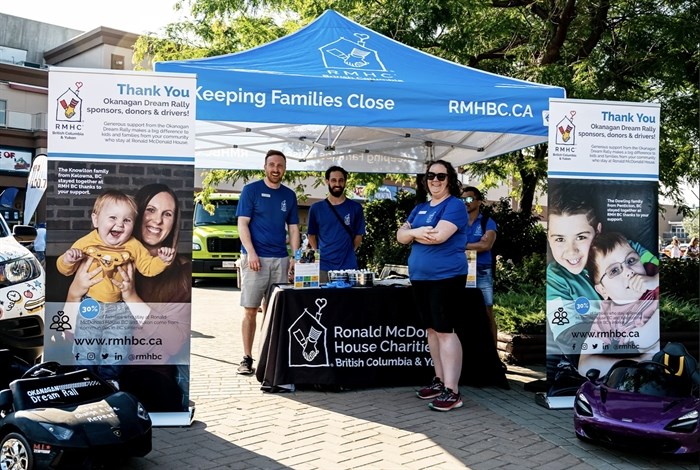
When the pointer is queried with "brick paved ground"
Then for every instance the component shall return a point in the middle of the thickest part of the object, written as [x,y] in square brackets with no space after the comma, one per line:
[236,426]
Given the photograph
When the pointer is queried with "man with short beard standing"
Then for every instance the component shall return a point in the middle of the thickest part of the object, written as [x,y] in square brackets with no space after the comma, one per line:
[267,210]
[336,225]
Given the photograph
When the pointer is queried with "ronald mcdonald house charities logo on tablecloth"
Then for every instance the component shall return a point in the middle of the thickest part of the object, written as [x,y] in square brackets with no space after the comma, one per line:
[307,339]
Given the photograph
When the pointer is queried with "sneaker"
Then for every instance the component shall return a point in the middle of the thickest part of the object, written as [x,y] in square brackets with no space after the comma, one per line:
[246,367]
[446,401]
[431,391]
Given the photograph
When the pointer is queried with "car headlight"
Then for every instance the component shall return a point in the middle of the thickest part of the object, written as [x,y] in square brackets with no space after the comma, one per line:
[59,432]
[685,423]
[196,246]
[582,406]
[141,411]
[19,270]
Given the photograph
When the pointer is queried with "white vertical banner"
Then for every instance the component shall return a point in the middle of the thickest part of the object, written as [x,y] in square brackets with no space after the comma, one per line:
[602,230]
[119,200]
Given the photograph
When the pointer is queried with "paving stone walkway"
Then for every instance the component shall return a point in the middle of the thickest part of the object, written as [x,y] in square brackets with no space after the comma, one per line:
[236,426]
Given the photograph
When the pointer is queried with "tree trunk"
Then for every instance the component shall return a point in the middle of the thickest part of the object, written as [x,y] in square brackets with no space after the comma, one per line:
[421,193]
[528,180]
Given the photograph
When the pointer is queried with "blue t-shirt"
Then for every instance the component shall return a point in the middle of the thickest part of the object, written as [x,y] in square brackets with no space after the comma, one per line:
[446,260]
[474,234]
[335,244]
[270,211]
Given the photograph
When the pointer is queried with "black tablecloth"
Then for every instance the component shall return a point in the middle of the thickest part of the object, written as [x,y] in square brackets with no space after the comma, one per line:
[365,337]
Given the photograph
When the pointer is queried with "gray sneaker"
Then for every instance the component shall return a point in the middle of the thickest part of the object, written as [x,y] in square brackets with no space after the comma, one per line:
[246,367]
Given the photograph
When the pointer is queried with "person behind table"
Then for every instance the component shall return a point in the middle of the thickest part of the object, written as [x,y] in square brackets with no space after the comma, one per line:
[110,245]
[437,232]
[481,241]
[266,211]
[336,225]
[630,289]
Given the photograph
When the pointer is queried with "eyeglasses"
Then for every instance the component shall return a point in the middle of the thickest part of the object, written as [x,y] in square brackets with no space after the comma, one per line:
[616,269]
[467,200]
[440,176]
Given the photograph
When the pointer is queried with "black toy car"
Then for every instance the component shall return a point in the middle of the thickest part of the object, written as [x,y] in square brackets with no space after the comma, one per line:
[55,419]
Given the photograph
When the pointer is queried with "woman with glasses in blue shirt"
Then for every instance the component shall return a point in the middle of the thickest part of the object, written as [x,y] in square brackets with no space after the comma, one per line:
[437,266]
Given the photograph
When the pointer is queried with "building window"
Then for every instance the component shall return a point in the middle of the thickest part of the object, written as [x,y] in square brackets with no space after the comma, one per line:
[117,62]
[677,230]
[3,107]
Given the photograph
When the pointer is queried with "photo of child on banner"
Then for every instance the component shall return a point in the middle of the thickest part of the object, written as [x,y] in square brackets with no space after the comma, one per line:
[628,321]
[611,313]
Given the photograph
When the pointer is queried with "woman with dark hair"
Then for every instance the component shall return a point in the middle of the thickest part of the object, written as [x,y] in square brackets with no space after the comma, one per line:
[157,372]
[437,267]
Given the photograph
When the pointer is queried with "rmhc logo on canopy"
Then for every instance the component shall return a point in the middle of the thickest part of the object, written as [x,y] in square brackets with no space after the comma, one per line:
[353,60]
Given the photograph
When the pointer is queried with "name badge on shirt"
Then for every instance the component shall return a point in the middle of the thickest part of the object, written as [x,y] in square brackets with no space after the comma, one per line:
[422,212]
[265,195]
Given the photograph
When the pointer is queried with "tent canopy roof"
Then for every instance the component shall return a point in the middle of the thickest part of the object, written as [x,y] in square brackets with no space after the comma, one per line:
[335,92]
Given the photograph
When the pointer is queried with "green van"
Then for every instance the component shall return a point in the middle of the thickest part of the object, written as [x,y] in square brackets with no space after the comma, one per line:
[216,247]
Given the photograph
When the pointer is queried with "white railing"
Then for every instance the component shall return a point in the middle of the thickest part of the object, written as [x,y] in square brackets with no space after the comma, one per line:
[25,121]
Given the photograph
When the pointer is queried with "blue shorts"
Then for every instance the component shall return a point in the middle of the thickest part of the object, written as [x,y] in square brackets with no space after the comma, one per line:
[484,281]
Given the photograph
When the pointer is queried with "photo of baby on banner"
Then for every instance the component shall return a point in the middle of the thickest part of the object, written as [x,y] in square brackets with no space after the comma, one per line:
[602,279]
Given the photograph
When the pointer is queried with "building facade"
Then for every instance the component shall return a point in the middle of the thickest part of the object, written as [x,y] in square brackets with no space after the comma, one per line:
[27,49]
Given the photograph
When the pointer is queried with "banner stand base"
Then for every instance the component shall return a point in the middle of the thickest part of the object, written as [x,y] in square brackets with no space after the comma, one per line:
[554,403]
[177,418]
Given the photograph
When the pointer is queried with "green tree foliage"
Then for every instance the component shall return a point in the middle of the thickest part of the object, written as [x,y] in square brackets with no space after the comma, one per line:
[622,50]
[519,234]
[383,217]
[691,223]
[680,278]
[297,180]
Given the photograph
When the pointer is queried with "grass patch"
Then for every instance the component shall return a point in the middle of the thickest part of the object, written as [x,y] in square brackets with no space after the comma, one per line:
[520,311]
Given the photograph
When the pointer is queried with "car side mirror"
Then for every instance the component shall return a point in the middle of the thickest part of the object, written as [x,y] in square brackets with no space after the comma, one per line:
[5,400]
[593,374]
[24,234]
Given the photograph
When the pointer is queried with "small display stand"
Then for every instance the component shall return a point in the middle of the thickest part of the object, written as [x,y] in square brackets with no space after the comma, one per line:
[307,271]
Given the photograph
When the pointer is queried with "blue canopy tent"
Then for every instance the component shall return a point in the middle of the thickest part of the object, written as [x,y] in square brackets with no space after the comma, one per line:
[335,92]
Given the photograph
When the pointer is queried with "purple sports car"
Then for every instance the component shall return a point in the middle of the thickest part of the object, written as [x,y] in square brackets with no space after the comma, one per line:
[641,405]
